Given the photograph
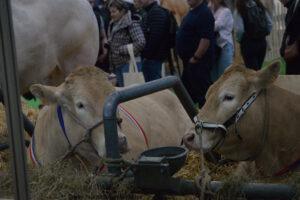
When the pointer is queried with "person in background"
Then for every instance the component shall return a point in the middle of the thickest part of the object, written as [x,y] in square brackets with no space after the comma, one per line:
[123,30]
[155,24]
[223,30]
[102,55]
[290,48]
[252,25]
[195,45]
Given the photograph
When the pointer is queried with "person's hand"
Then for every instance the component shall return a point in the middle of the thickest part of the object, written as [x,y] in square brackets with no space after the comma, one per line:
[193,60]
[291,52]
[102,57]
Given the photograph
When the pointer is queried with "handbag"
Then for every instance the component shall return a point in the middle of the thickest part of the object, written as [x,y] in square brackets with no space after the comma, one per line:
[133,76]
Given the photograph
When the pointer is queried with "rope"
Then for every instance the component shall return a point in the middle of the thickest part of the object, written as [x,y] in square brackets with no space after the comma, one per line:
[202,181]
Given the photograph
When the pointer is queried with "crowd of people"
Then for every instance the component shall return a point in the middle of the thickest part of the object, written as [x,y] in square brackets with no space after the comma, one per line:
[204,39]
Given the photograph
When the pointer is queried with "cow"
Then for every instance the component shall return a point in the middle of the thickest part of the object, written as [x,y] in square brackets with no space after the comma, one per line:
[151,121]
[53,34]
[247,117]
[179,8]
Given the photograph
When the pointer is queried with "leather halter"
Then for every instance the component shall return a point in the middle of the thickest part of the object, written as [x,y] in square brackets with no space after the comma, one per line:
[233,120]
[86,138]
[71,149]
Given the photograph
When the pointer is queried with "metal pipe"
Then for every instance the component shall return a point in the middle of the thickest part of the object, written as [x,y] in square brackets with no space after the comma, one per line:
[10,85]
[176,186]
[4,146]
[112,101]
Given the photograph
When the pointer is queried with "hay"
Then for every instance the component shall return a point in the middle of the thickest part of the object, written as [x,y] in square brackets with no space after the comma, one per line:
[61,181]
[192,168]
[31,115]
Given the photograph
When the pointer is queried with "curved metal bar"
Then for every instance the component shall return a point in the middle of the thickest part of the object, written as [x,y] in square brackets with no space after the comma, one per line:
[112,101]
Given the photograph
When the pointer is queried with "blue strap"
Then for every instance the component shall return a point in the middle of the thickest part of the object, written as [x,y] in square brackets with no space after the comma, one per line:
[61,122]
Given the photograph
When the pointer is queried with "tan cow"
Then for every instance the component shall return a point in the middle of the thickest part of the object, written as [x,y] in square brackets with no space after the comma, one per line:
[268,130]
[151,121]
[50,34]
[178,7]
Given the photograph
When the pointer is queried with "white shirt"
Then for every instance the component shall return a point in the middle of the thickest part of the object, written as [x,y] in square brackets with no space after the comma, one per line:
[223,25]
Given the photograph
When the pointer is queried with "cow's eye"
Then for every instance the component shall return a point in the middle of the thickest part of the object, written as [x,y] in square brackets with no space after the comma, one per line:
[228,97]
[79,105]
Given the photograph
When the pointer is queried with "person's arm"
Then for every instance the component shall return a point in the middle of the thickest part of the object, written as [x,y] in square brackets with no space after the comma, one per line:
[201,50]
[292,51]
[223,20]
[269,22]
[103,41]
[238,26]
[138,39]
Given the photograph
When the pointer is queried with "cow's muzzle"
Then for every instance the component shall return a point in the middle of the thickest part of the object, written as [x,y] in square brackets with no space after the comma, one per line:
[189,141]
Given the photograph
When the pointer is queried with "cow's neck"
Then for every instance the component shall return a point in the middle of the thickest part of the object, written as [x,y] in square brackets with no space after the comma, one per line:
[50,144]
[282,146]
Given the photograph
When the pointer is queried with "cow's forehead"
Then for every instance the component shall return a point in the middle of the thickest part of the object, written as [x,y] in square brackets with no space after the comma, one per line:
[235,77]
[89,82]
[236,80]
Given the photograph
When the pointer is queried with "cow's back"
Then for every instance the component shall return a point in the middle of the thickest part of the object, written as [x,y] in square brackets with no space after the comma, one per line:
[289,82]
[162,118]
[60,33]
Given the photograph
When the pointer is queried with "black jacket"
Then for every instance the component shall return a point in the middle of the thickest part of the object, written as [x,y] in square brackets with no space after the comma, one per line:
[155,24]
[292,24]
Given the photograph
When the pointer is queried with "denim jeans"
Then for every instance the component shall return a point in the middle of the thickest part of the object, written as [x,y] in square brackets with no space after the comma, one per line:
[123,69]
[151,69]
[196,79]
[223,61]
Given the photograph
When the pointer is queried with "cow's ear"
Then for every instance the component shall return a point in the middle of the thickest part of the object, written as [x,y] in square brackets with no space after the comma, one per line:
[265,77]
[47,94]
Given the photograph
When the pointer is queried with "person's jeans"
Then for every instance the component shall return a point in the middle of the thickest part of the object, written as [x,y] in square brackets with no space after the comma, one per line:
[124,69]
[196,80]
[223,61]
[151,69]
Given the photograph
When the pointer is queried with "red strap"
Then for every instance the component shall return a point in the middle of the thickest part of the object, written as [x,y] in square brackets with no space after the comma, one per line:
[136,123]
[288,168]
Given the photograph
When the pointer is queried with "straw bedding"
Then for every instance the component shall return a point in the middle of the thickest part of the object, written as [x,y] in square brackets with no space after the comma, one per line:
[61,181]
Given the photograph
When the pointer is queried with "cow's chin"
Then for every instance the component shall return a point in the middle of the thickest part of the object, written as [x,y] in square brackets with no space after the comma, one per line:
[210,141]
[192,142]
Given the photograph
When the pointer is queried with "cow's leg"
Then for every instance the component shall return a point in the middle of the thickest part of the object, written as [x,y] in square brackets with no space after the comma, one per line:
[245,169]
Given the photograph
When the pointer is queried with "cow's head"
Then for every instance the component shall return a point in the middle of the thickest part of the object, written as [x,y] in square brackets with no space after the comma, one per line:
[81,98]
[223,100]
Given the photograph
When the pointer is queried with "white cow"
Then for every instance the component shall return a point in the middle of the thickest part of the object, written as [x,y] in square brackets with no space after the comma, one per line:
[151,121]
[53,33]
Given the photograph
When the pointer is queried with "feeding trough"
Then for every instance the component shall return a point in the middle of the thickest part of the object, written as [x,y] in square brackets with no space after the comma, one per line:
[173,157]
[155,167]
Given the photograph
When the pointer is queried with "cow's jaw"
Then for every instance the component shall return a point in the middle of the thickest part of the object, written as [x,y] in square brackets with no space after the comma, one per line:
[210,140]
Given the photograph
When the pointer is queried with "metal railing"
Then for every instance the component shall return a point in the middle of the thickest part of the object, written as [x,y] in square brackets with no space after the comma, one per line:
[274,39]
[10,87]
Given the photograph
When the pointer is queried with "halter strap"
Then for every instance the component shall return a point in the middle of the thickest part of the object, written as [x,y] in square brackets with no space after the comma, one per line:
[241,111]
[32,152]
[131,118]
[288,168]
[62,123]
